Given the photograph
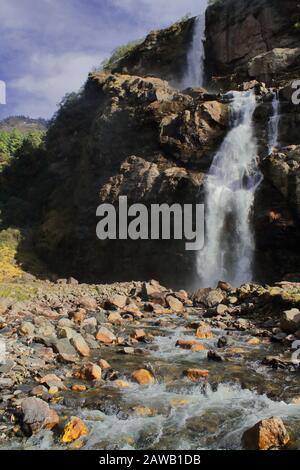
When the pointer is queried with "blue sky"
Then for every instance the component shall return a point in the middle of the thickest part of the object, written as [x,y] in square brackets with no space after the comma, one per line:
[49,46]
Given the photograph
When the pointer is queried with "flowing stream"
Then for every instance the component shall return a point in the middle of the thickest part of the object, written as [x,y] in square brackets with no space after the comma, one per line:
[273,128]
[229,196]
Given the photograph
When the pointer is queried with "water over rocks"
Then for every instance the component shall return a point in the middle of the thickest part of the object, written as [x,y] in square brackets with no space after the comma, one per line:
[205,344]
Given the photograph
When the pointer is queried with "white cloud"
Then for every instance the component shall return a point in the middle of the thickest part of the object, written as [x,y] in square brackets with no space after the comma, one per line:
[49,79]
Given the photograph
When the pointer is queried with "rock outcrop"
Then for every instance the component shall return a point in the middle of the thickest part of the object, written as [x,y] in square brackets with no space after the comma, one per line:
[252,38]
[162,54]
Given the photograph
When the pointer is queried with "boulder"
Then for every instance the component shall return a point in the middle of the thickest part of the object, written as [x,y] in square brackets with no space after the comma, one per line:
[87,302]
[90,371]
[208,297]
[37,415]
[266,434]
[290,320]
[143,377]
[194,375]
[117,301]
[73,430]
[80,345]
[105,336]
[64,348]
[27,328]
[174,304]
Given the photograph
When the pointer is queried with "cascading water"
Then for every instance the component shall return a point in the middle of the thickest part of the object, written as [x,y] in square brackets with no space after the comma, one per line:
[273,128]
[229,196]
[194,76]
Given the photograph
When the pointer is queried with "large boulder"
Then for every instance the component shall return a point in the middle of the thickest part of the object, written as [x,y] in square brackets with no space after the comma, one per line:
[290,321]
[266,434]
[37,415]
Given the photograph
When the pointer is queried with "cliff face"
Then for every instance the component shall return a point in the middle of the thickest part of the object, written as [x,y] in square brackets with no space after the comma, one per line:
[253,38]
[125,136]
[162,54]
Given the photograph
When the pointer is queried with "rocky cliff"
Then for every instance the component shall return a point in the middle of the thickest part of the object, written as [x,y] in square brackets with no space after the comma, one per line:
[253,38]
[130,136]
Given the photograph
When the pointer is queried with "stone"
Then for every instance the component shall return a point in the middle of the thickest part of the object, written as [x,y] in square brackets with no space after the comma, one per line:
[27,328]
[222,309]
[138,334]
[72,281]
[90,371]
[225,286]
[208,297]
[78,316]
[105,336]
[194,375]
[104,364]
[128,350]
[290,320]
[224,341]
[45,329]
[117,301]
[215,356]
[39,391]
[89,325]
[37,415]
[187,344]
[78,388]
[143,377]
[87,302]
[265,435]
[174,304]
[254,341]
[198,348]
[115,318]
[73,430]
[64,348]
[80,345]
[204,332]
[65,332]
[65,323]
[51,380]
[121,384]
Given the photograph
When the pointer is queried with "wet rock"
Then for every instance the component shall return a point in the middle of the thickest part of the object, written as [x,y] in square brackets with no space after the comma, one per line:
[215,356]
[27,328]
[37,415]
[115,302]
[80,345]
[39,391]
[143,377]
[198,348]
[175,304]
[208,297]
[204,332]
[78,388]
[73,430]
[64,348]
[128,350]
[188,344]
[6,382]
[105,336]
[194,375]
[89,371]
[104,364]
[266,434]
[224,341]
[138,334]
[253,341]
[290,321]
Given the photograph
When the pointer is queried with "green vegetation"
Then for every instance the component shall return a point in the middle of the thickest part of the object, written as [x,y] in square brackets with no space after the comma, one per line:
[12,141]
[186,17]
[119,53]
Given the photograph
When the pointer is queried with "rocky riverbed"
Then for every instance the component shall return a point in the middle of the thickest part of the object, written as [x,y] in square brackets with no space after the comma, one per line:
[138,366]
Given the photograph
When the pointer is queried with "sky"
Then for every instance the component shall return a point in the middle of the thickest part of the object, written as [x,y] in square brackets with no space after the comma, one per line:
[48,47]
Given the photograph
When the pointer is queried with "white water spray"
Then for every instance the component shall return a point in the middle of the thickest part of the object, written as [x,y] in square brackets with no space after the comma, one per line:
[194,76]
[229,196]
[273,128]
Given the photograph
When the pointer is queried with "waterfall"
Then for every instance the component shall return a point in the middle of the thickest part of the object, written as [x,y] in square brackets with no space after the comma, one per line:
[194,76]
[273,127]
[229,196]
